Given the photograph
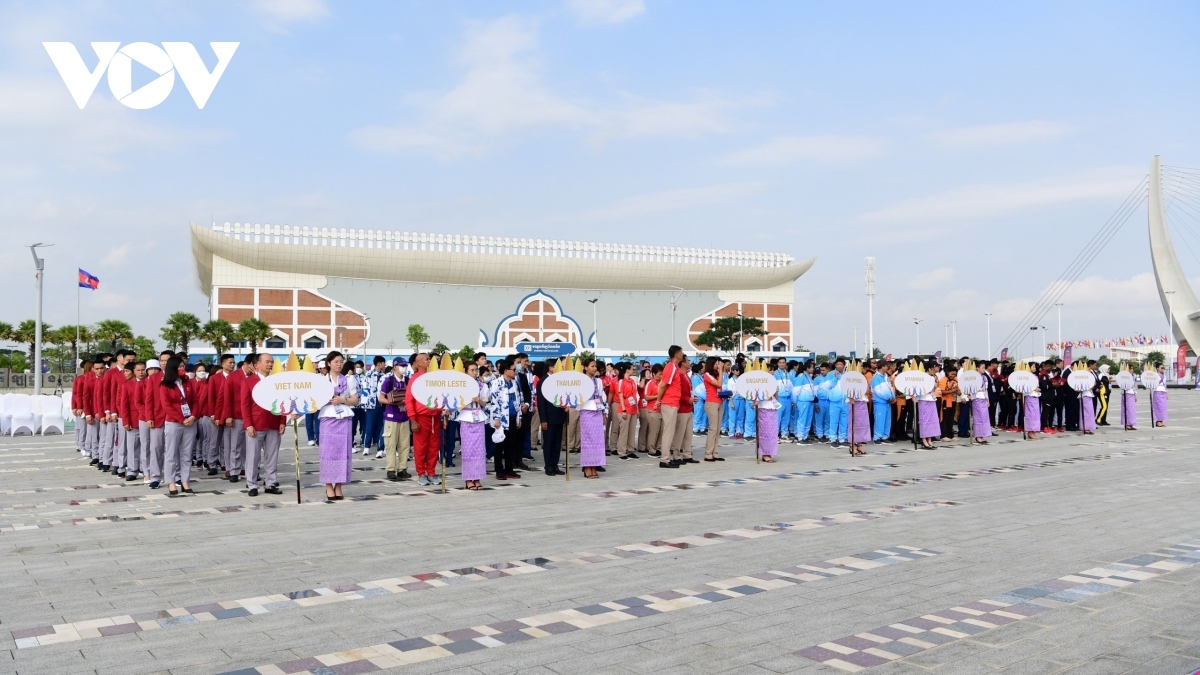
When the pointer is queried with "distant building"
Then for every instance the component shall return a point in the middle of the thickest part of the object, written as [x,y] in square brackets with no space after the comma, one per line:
[358,290]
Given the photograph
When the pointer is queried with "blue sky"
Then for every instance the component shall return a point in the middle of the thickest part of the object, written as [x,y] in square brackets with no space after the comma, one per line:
[971,149]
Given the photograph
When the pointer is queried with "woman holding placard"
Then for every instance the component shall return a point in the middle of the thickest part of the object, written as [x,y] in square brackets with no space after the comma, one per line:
[472,426]
[336,419]
[591,423]
[928,425]
[981,425]
[767,424]
[1128,385]
[1158,396]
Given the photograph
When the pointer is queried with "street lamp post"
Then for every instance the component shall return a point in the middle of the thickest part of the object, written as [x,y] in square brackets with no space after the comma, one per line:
[1032,341]
[946,346]
[1170,316]
[366,336]
[39,264]
[954,338]
[917,323]
[1059,306]
[989,332]
[595,330]
[674,305]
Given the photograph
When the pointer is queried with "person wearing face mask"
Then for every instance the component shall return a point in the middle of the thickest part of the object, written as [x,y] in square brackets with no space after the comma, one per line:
[358,426]
[207,433]
[156,419]
[525,383]
[175,398]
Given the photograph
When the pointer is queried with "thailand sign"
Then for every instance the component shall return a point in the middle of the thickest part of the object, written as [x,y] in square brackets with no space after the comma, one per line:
[545,350]
[292,392]
[567,389]
[445,390]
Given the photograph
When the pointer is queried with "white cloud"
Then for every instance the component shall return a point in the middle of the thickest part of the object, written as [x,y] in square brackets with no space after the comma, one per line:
[679,199]
[502,94]
[1001,134]
[292,11]
[606,12]
[986,201]
[117,255]
[787,149]
[929,280]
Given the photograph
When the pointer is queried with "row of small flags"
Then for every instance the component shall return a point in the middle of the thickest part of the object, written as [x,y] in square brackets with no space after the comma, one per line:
[1138,340]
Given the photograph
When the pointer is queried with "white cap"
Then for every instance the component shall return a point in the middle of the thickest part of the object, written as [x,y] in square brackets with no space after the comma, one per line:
[153,363]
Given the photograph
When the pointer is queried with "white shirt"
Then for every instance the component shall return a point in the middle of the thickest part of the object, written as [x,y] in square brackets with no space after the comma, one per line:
[474,413]
[340,410]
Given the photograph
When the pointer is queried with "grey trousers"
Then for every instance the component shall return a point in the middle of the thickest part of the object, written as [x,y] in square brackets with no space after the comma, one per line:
[180,441]
[235,447]
[209,434]
[132,443]
[152,451]
[106,443]
[81,434]
[264,446]
[93,439]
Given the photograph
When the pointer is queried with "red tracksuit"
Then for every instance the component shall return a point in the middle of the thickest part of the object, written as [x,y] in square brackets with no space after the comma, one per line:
[427,431]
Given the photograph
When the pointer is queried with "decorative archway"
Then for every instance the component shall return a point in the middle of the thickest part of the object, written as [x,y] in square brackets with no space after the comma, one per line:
[538,318]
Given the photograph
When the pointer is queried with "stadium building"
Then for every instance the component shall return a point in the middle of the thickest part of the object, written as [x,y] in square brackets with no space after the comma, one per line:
[359,290]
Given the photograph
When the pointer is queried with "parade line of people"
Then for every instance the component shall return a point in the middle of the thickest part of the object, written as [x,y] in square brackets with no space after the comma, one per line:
[157,420]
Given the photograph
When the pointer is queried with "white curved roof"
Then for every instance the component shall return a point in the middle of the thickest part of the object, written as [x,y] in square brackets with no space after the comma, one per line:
[487,261]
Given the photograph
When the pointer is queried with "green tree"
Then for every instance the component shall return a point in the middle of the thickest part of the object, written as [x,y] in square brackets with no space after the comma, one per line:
[6,331]
[67,334]
[1156,357]
[13,360]
[630,357]
[144,347]
[417,336]
[60,353]
[180,329]
[466,354]
[726,332]
[253,331]
[114,332]
[26,333]
[218,333]
[439,348]
[86,338]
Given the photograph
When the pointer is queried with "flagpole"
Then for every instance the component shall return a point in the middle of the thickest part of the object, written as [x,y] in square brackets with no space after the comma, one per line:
[78,296]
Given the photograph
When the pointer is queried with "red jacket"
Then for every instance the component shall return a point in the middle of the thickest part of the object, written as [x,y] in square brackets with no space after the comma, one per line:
[151,411]
[126,410]
[252,414]
[201,406]
[233,394]
[110,386]
[170,400]
[76,396]
[92,406]
[414,407]
[216,396]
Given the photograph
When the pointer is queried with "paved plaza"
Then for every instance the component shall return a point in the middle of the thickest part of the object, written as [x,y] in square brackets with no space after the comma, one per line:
[1065,554]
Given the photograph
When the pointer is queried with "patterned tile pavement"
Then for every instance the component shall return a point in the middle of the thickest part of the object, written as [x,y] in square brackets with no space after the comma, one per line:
[464,640]
[177,616]
[738,481]
[899,482]
[895,641]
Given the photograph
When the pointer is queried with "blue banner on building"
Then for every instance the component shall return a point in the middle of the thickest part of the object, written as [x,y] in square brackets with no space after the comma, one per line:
[545,350]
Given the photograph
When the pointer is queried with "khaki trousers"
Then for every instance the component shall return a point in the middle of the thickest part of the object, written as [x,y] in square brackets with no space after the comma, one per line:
[643,429]
[713,410]
[670,418]
[626,434]
[612,427]
[683,436]
[572,429]
[397,441]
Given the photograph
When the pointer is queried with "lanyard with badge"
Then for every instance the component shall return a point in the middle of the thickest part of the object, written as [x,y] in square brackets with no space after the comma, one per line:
[183,404]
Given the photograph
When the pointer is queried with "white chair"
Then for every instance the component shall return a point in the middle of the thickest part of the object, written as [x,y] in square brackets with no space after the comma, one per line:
[20,406]
[68,412]
[52,415]
[5,415]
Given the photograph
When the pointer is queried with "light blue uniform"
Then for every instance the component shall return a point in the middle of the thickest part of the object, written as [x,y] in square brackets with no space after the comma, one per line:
[699,415]
[821,419]
[882,397]
[727,407]
[805,396]
[838,426]
[785,401]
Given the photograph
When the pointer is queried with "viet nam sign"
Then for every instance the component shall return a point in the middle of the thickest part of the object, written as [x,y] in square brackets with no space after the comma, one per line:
[292,392]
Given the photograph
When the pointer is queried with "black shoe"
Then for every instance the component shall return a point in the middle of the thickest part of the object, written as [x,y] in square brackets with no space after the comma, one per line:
[709,460]
[625,457]
[130,477]
[404,475]
[104,467]
[253,492]
[391,475]
[836,444]
[720,459]
[273,490]
[233,479]
[689,460]
[601,469]
[656,453]
[632,455]
[115,471]
[551,472]
[524,467]
[153,485]
[94,462]
[668,465]
[212,472]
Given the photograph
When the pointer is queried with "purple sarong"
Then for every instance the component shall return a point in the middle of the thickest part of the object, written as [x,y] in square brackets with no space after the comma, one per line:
[860,428]
[981,426]
[336,449]
[1033,413]
[768,432]
[927,417]
[1158,406]
[474,450]
[1089,413]
[591,438]
[1128,409]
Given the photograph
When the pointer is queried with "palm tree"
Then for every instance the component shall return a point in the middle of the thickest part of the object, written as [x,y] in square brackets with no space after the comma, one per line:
[27,334]
[253,331]
[86,338]
[59,338]
[218,333]
[67,337]
[180,329]
[6,331]
[114,331]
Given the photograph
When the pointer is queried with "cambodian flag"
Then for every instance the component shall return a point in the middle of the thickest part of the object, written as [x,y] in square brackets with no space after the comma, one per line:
[88,281]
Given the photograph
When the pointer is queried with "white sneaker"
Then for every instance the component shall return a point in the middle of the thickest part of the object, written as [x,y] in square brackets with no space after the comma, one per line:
[366,452]
[311,443]
[422,480]
[379,455]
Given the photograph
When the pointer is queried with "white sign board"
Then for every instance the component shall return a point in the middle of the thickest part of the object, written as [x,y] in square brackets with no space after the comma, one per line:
[1126,380]
[853,385]
[292,393]
[915,383]
[1150,379]
[444,390]
[756,385]
[567,389]
[970,382]
[1081,380]
[1023,382]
